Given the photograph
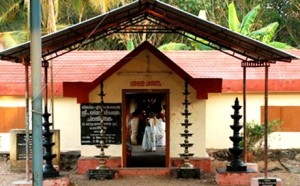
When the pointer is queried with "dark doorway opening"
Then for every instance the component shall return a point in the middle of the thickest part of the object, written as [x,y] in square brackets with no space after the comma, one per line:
[139,108]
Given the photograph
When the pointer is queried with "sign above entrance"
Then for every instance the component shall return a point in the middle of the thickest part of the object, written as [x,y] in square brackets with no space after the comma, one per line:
[142,83]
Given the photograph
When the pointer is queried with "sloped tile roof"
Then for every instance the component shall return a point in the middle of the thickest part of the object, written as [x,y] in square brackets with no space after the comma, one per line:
[86,66]
[128,18]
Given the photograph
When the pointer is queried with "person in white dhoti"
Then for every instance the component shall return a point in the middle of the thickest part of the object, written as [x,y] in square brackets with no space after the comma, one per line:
[161,131]
[149,138]
[134,125]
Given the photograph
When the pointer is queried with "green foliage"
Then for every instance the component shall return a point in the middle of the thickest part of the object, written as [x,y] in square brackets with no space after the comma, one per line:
[265,34]
[233,20]
[249,20]
[191,6]
[255,134]
[173,46]
[130,44]
[11,39]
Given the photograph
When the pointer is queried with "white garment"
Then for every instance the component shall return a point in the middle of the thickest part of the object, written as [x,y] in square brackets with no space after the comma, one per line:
[134,125]
[161,133]
[147,145]
[149,138]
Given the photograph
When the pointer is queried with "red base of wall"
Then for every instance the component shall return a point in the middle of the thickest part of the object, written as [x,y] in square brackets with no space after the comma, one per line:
[202,163]
[86,163]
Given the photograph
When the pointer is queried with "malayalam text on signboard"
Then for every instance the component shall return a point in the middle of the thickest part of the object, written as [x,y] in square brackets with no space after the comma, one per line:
[90,123]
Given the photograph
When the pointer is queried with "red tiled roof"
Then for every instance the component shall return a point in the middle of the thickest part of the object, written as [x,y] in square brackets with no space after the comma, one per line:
[86,66]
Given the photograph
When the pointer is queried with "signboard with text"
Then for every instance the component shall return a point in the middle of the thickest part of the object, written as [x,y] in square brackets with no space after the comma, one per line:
[267,182]
[90,123]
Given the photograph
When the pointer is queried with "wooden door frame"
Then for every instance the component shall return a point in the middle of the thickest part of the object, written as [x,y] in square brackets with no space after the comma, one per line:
[125,113]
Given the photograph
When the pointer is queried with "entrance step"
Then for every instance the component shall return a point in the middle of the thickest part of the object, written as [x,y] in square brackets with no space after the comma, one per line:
[142,171]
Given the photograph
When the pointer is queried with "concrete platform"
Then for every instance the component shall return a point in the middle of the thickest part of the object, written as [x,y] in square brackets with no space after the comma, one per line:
[255,181]
[57,181]
[235,178]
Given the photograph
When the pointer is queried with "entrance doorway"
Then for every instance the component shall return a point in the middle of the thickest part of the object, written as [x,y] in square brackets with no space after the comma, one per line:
[145,140]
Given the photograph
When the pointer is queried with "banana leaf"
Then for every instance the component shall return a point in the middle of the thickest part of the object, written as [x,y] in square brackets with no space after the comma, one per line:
[233,20]
[265,34]
[130,44]
[248,20]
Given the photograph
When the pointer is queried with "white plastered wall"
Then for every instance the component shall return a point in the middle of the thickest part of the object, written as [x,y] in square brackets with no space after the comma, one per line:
[219,113]
[66,111]
[67,120]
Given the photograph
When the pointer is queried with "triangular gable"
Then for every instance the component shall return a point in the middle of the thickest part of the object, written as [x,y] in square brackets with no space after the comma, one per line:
[202,86]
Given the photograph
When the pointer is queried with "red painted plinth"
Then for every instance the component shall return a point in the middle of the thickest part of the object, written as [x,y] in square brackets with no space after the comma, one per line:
[201,163]
[142,172]
[86,163]
[234,178]
[57,181]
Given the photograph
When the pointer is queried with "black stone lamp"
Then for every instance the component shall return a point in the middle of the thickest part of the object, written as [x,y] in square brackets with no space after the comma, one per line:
[236,165]
[48,170]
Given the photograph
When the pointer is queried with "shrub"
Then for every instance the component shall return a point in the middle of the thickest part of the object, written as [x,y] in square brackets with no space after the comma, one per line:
[255,134]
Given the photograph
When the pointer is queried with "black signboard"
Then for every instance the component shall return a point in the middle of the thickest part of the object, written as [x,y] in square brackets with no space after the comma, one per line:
[90,123]
[189,173]
[101,174]
[267,182]
[21,146]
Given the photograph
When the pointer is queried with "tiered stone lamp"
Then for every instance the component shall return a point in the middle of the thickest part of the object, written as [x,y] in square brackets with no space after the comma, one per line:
[48,171]
[102,171]
[187,170]
[102,145]
[186,134]
[236,164]
[236,172]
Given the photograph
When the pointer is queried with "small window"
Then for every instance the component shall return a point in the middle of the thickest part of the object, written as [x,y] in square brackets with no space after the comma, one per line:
[290,115]
[12,118]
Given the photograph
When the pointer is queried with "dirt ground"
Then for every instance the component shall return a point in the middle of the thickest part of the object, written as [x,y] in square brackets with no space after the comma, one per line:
[274,169]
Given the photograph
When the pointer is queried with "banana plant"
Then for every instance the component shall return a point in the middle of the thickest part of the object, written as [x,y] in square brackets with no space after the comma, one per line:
[265,34]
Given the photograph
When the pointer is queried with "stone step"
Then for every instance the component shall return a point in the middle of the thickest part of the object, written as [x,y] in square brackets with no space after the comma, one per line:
[142,171]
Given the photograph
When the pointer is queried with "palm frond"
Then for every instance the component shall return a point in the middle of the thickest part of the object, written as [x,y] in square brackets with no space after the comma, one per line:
[11,12]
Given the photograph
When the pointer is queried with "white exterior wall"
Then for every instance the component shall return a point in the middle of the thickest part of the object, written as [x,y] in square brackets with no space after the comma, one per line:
[67,120]
[217,132]
[219,113]
[65,112]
